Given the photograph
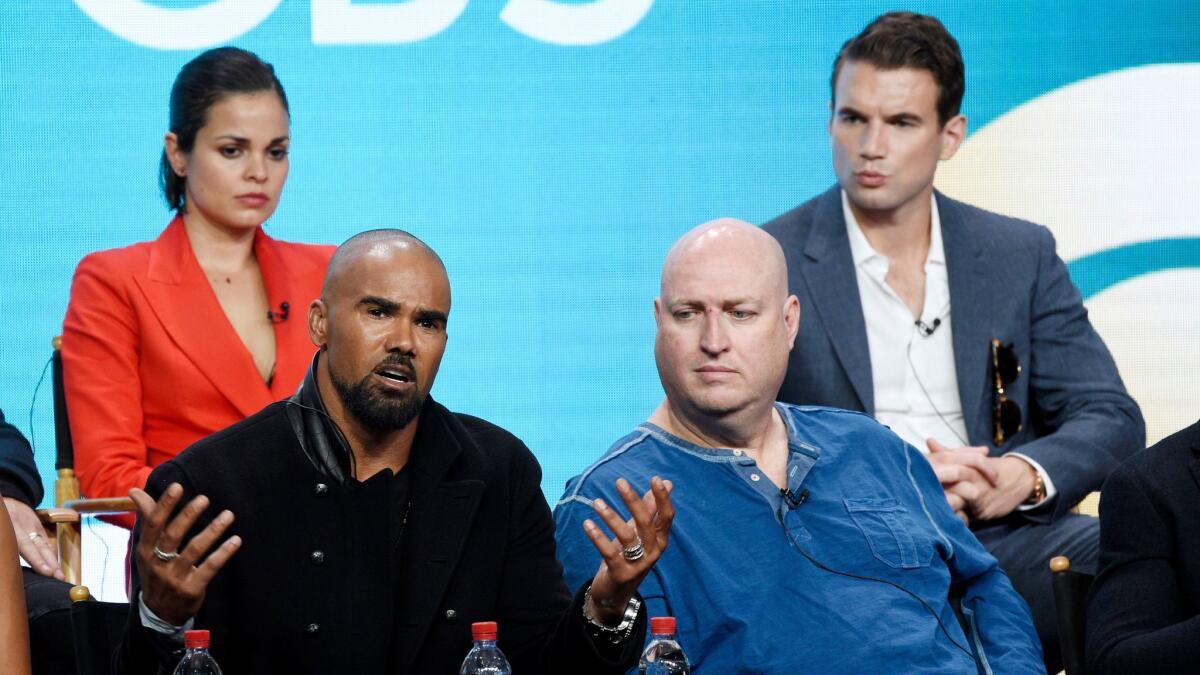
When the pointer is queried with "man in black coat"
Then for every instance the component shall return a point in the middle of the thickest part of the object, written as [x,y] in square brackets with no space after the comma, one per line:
[377,525]
[1144,610]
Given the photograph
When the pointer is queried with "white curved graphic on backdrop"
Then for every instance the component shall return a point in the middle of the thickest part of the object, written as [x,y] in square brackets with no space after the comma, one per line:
[191,28]
[1107,162]
[564,24]
[343,22]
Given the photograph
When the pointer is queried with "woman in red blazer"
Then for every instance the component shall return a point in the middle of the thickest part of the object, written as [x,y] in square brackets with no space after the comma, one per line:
[167,341]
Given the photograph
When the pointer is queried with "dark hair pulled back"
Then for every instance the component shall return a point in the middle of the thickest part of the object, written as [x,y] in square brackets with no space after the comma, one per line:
[201,83]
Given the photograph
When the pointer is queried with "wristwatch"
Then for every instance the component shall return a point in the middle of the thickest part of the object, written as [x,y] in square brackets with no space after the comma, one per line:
[613,635]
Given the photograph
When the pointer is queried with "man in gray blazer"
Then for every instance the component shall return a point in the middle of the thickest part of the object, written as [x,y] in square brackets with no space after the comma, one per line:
[957,327]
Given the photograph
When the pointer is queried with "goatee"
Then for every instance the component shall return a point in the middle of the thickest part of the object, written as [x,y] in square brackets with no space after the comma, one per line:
[377,409]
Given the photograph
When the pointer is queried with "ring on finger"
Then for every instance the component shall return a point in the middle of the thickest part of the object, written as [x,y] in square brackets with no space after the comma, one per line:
[164,556]
[34,536]
[635,552]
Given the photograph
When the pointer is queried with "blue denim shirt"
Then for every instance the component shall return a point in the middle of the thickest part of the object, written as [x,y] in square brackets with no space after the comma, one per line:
[845,574]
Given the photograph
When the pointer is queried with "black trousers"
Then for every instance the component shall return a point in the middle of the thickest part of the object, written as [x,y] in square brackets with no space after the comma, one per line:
[1024,550]
[51,642]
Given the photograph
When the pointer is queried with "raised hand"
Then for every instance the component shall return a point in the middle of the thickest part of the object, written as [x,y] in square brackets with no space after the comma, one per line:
[173,580]
[639,543]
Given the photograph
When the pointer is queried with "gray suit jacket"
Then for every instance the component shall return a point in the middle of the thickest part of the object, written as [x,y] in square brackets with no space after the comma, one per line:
[1006,282]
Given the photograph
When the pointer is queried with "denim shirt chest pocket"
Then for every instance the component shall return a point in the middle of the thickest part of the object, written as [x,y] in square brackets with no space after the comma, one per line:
[895,537]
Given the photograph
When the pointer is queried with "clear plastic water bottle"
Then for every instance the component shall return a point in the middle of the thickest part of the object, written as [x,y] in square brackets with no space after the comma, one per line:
[663,656]
[196,660]
[485,658]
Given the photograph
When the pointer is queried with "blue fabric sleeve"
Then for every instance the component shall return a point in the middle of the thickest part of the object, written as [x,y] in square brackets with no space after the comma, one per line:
[578,556]
[1003,632]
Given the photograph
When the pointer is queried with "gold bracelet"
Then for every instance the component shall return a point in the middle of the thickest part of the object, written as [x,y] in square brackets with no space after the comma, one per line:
[1039,489]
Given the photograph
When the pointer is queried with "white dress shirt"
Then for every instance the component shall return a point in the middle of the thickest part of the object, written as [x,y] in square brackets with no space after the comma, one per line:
[912,362]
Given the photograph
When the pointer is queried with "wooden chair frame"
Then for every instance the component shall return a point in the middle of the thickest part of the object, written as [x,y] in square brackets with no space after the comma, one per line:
[64,520]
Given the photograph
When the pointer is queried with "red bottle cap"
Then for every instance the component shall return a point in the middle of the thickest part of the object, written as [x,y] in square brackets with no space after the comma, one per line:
[483,630]
[662,625]
[196,639]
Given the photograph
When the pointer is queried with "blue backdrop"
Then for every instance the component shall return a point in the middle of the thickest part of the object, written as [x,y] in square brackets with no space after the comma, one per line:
[551,177]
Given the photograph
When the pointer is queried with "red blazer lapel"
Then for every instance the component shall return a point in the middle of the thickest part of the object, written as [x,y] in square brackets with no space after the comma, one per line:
[180,296]
[284,277]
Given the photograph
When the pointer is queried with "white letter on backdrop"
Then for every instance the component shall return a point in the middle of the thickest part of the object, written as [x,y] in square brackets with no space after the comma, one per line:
[342,22]
[192,28]
[580,24]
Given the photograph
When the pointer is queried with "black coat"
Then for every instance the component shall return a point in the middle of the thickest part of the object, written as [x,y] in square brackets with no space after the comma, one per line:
[309,590]
[1144,610]
[18,476]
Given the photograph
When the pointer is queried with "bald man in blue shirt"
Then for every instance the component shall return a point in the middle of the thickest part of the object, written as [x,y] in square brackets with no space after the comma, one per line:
[807,539]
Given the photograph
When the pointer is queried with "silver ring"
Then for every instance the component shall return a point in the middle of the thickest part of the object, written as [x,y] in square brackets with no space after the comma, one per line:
[635,552]
[164,556]
[34,536]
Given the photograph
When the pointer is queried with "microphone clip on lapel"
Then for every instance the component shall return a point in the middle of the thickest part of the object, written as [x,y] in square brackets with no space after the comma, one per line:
[281,315]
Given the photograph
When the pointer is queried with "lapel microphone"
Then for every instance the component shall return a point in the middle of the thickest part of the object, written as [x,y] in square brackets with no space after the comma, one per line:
[279,317]
[926,329]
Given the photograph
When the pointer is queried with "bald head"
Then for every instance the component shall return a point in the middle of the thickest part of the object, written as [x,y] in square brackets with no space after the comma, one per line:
[728,242]
[725,326]
[381,326]
[380,244]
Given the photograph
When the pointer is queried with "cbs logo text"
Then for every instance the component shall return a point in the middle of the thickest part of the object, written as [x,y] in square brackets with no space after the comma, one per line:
[341,22]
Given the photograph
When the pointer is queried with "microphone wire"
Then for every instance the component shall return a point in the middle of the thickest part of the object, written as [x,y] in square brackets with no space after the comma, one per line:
[917,376]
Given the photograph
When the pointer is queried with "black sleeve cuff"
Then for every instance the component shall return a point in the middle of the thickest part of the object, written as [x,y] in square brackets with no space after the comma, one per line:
[614,658]
[10,487]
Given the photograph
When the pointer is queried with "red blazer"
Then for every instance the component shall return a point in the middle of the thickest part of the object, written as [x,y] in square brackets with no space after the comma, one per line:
[151,363]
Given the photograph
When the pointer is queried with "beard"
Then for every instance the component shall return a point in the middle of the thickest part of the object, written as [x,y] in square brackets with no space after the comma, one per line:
[380,410]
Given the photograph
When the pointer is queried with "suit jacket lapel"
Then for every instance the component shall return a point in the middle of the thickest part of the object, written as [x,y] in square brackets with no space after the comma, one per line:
[967,272]
[293,348]
[442,513]
[833,285]
[1195,463]
[180,296]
